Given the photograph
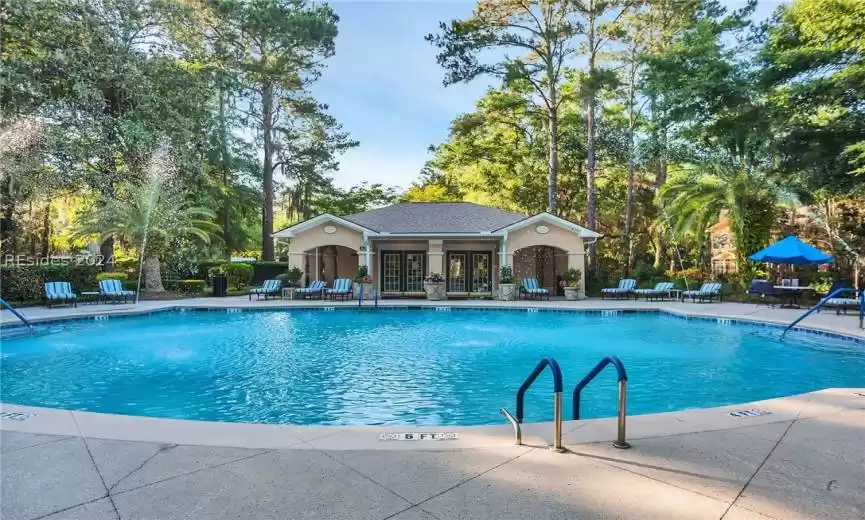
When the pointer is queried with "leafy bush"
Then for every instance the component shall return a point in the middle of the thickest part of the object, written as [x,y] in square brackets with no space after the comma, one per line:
[434,278]
[191,286]
[239,274]
[362,275]
[507,274]
[26,283]
[649,274]
[573,277]
[113,275]
[290,278]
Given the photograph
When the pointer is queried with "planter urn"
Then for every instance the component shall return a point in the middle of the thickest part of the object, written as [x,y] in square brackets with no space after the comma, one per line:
[435,291]
[507,292]
[368,290]
[572,293]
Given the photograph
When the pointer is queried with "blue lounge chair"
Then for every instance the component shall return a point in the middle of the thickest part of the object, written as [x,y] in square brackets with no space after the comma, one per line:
[268,288]
[623,290]
[841,302]
[660,291]
[60,292]
[313,289]
[763,290]
[531,288]
[113,290]
[706,292]
[341,287]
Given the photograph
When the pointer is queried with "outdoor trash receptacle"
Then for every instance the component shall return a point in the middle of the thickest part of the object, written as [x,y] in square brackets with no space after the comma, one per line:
[220,286]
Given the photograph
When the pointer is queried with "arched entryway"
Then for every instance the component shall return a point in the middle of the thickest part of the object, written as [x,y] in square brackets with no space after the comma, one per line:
[547,264]
[330,262]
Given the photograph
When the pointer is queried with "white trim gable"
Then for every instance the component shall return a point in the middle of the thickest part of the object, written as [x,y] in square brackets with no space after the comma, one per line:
[290,231]
[558,221]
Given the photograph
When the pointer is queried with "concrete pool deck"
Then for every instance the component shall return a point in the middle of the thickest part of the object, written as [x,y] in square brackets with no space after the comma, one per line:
[804,459]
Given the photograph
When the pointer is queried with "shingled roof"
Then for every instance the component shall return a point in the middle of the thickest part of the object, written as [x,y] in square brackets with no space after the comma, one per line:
[435,217]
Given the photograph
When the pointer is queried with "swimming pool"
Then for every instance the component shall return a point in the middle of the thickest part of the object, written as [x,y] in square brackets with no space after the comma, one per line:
[418,367]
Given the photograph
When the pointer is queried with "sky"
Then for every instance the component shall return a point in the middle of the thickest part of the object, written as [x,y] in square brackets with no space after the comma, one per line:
[385,87]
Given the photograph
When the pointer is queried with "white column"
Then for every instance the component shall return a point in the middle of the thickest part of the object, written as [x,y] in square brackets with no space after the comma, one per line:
[317,270]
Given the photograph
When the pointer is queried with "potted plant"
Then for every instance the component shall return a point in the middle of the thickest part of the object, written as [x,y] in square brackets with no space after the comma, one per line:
[363,283]
[434,285]
[572,279]
[291,277]
[219,279]
[507,285]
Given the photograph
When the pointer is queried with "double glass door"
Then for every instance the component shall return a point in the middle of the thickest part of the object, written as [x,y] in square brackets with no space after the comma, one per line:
[469,272]
[402,271]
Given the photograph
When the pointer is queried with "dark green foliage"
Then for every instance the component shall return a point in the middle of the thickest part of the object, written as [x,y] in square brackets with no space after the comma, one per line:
[506,275]
[190,287]
[26,283]
[239,274]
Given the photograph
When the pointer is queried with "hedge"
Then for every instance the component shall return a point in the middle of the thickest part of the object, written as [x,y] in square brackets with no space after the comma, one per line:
[261,270]
[185,286]
[26,283]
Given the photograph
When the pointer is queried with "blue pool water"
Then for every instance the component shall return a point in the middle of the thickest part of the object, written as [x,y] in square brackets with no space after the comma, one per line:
[406,367]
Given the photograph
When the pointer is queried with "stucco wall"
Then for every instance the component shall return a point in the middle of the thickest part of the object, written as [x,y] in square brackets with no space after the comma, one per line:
[316,237]
[570,242]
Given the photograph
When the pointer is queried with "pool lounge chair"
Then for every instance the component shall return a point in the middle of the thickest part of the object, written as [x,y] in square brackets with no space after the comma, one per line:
[316,288]
[341,287]
[268,288]
[763,290]
[843,301]
[112,290]
[660,291]
[60,293]
[707,292]
[623,290]
[532,289]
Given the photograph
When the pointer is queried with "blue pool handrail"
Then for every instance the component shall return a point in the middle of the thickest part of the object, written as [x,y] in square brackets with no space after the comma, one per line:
[17,314]
[557,383]
[823,301]
[557,402]
[622,375]
[360,296]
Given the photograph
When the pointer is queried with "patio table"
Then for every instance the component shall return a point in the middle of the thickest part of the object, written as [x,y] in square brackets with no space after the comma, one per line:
[790,295]
[90,297]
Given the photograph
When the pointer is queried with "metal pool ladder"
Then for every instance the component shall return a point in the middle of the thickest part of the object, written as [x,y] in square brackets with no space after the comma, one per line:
[620,441]
[557,403]
[17,314]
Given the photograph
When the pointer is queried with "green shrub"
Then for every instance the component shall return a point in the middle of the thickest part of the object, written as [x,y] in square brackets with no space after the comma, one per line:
[290,278]
[114,275]
[191,286]
[239,274]
[573,277]
[26,283]
[507,274]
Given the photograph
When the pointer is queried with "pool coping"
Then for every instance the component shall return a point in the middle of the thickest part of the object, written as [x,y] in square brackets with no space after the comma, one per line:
[853,335]
[70,423]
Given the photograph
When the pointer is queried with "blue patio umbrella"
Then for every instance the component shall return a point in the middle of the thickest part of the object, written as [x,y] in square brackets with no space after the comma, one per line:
[792,251]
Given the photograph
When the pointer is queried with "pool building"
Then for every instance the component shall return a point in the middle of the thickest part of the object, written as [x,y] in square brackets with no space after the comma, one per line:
[465,242]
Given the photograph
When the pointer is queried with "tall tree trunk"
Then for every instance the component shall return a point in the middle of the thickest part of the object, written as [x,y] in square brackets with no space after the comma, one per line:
[660,179]
[46,230]
[267,174]
[552,185]
[7,225]
[591,212]
[224,160]
[30,235]
[629,208]
[152,274]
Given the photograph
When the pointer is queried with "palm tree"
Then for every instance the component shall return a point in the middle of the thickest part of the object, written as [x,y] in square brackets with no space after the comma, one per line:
[153,211]
[696,198]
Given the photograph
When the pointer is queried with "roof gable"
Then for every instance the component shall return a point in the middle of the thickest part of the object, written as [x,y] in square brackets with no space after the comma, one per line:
[584,232]
[315,221]
[435,217]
